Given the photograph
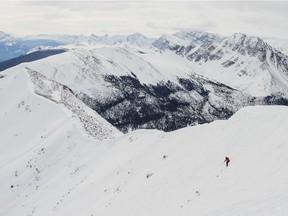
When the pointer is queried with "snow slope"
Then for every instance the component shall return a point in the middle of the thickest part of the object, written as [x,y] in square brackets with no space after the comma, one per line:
[27,118]
[148,172]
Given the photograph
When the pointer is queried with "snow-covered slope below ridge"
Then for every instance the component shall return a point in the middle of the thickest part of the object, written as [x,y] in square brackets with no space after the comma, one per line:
[42,118]
[241,61]
[132,88]
[156,173]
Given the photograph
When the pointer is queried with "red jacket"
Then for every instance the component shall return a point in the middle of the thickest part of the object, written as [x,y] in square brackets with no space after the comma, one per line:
[227,159]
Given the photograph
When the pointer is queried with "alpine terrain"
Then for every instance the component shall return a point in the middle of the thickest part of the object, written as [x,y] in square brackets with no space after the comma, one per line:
[75,113]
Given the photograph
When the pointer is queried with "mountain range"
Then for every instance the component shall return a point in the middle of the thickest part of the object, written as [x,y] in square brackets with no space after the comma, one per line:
[167,83]
[13,46]
[75,111]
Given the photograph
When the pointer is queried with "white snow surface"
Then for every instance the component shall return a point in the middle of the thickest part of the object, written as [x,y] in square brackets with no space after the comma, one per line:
[146,172]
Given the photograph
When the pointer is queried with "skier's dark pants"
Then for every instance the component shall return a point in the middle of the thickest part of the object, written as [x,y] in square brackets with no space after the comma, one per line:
[227,162]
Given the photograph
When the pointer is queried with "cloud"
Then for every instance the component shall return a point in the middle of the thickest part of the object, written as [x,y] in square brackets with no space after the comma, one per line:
[152,18]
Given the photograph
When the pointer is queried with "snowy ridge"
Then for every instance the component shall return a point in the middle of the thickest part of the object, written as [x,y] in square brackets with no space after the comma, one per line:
[88,120]
[155,173]
[92,122]
[34,128]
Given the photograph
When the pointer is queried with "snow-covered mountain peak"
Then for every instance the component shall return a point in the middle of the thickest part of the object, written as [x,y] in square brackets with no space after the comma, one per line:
[243,61]
[190,39]
[137,36]
[7,39]
[242,42]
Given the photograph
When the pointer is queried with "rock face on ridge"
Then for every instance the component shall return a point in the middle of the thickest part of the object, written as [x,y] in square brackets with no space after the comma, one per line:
[240,57]
[92,123]
[167,106]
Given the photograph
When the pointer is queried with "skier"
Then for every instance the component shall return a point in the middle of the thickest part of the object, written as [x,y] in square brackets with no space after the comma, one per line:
[227,160]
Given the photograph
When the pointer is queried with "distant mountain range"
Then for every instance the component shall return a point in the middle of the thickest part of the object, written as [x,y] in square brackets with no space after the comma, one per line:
[167,83]
[12,46]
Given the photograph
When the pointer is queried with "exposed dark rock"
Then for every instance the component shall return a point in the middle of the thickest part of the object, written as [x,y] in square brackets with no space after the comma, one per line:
[166,106]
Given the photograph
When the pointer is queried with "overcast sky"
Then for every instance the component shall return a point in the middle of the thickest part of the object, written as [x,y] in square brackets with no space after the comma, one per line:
[152,18]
